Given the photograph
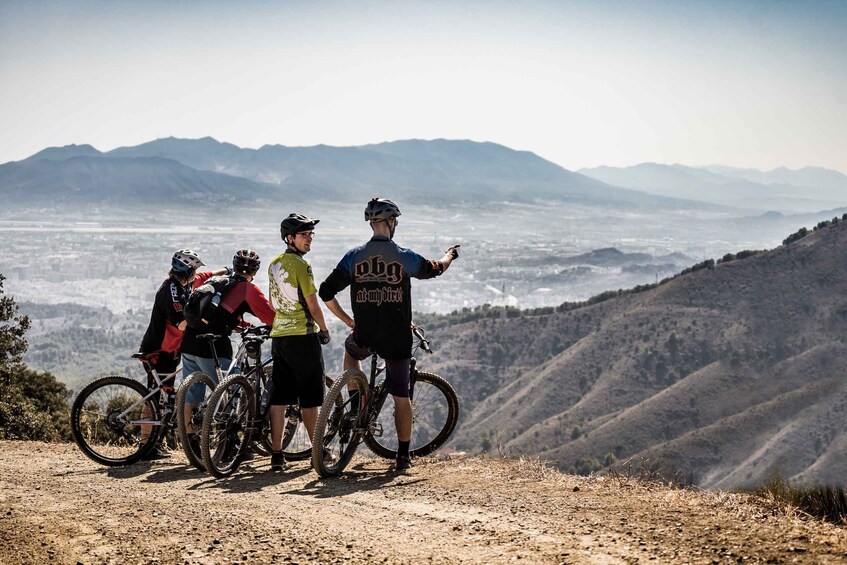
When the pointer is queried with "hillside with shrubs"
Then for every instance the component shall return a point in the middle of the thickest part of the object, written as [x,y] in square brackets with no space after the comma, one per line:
[33,404]
[723,376]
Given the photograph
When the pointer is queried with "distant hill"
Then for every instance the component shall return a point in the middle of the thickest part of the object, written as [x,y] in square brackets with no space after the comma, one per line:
[808,176]
[80,180]
[438,171]
[805,190]
[66,152]
[728,374]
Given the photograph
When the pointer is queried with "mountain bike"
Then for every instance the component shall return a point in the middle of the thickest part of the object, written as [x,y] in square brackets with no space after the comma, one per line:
[435,412]
[117,420]
[237,415]
[188,431]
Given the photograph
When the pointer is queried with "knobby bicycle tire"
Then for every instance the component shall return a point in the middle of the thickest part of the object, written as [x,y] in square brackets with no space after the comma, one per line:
[336,437]
[197,377]
[435,412]
[98,432]
[226,433]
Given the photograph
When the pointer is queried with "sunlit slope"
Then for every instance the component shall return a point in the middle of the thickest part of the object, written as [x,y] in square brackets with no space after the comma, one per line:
[726,375]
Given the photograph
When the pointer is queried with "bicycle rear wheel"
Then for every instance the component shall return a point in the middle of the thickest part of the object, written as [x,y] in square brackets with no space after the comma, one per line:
[435,411]
[107,417]
[337,425]
[295,440]
[225,435]
[192,448]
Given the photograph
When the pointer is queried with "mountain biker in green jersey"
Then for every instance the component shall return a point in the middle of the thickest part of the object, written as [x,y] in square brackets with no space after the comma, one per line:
[299,330]
[379,274]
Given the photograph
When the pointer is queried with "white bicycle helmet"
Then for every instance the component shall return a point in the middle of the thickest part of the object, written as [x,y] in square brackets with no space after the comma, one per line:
[185,260]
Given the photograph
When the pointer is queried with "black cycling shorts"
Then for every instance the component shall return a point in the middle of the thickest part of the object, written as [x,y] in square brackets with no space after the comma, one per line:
[397,371]
[298,373]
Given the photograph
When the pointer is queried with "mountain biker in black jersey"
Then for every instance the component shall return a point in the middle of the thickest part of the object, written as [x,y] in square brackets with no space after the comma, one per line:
[164,332]
[299,330]
[379,275]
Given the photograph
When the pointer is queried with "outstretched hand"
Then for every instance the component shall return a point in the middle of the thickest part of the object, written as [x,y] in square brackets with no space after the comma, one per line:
[453,251]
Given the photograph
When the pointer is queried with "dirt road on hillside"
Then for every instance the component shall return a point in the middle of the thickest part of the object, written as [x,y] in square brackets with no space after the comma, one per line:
[57,506]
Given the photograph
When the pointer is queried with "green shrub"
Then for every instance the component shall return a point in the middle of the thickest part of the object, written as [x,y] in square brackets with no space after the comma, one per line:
[33,405]
[796,236]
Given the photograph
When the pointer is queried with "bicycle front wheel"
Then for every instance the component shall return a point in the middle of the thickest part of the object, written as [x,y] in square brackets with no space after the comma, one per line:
[204,385]
[261,443]
[435,411]
[112,423]
[337,433]
[226,431]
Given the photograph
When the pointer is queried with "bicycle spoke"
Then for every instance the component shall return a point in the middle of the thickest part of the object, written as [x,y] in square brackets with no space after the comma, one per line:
[110,418]
[228,425]
[434,413]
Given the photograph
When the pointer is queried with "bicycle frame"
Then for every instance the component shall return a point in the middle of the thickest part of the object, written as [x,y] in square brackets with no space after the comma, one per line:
[378,394]
[167,416]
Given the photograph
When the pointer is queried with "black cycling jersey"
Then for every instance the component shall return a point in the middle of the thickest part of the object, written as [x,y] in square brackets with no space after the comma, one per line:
[162,333]
[379,275]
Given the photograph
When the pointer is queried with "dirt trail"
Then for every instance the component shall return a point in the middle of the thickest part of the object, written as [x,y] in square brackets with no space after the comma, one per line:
[57,506]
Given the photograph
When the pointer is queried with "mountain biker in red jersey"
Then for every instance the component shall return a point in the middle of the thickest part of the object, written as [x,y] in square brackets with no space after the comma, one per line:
[243,297]
[164,332]
[379,275]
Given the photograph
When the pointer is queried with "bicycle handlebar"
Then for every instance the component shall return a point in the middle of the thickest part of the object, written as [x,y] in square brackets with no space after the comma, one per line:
[421,335]
[262,331]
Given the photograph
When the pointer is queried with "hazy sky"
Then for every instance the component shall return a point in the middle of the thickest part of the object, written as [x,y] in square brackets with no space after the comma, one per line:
[753,84]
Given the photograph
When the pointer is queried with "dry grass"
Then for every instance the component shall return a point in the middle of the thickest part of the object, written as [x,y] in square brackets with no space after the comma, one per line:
[644,474]
[828,503]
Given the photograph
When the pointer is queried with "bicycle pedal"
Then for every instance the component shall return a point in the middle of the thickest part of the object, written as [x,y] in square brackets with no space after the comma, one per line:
[376,431]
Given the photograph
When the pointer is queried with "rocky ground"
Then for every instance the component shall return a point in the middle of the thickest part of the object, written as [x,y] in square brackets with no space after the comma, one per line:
[57,506]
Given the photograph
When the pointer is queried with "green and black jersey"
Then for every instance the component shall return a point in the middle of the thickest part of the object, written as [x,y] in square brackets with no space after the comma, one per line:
[291,281]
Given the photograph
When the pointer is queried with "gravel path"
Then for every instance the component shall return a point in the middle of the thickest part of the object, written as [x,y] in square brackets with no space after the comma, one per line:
[57,506]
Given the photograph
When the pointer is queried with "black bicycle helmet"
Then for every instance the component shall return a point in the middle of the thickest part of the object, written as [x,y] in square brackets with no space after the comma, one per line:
[295,223]
[185,260]
[380,209]
[246,262]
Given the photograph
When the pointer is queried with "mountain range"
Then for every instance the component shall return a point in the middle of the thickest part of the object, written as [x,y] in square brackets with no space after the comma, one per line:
[440,171]
[722,376]
[805,190]
[205,170]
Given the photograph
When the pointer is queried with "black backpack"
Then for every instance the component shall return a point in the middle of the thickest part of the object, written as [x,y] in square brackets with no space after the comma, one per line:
[203,308]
